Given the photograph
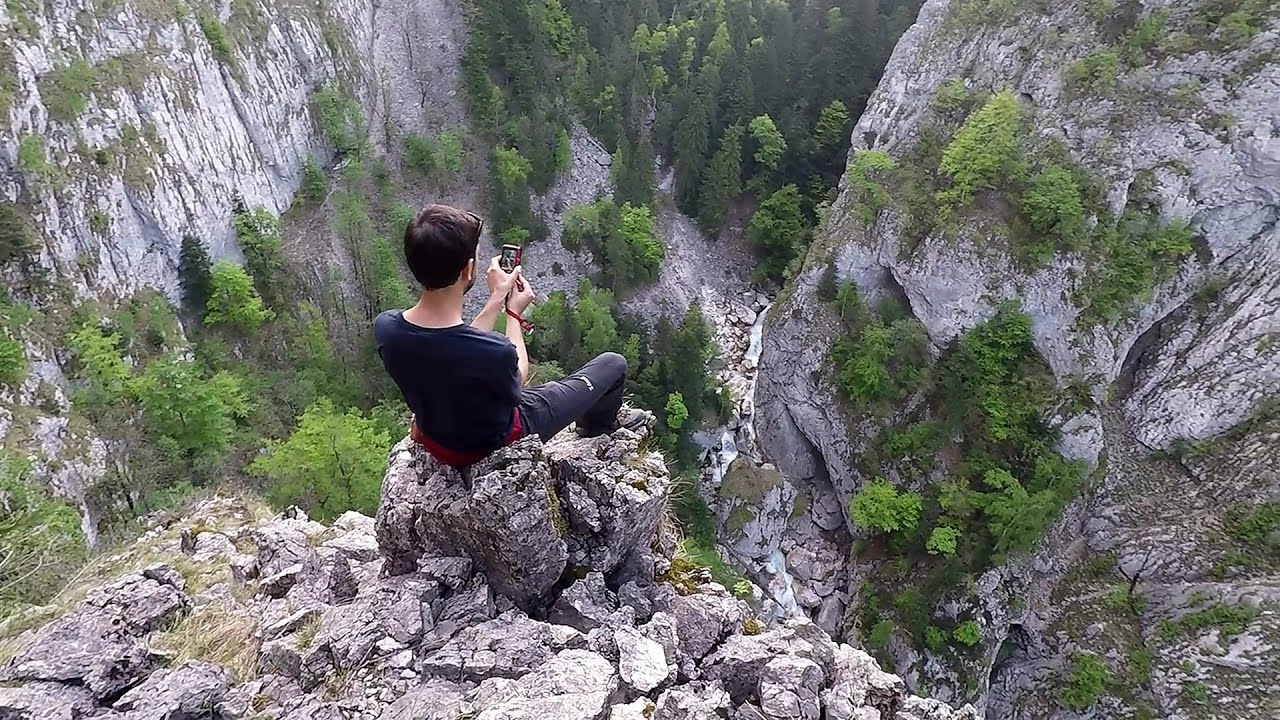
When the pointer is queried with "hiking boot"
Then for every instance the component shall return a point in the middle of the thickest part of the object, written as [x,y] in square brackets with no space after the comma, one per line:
[629,418]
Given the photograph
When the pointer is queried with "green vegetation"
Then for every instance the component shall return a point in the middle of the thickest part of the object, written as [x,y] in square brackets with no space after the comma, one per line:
[1228,620]
[935,638]
[194,273]
[880,507]
[340,119]
[1255,526]
[880,634]
[332,463]
[1095,72]
[883,359]
[865,178]
[232,300]
[13,361]
[315,186]
[677,413]
[436,157]
[99,222]
[258,232]
[15,234]
[1054,207]
[986,152]
[622,239]
[219,40]
[943,541]
[193,415]
[65,91]
[1196,692]
[692,83]
[967,633]
[1087,682]
[41,544]
[33,159]
[779,231]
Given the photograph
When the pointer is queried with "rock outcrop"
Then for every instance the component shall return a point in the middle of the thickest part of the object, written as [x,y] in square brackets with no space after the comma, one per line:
[535,586]
[1191,363]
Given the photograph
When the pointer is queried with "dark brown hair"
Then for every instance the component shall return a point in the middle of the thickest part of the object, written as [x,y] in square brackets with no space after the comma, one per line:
[439,243]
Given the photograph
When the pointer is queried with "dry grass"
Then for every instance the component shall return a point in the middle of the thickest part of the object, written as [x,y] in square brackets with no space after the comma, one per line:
[214,633]
[306,634]
[110,564]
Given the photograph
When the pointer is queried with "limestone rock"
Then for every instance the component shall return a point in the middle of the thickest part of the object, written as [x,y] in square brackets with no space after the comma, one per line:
[100,644]
[585,604]
[574,685]
[789,688]
[433,699]
[45,701]
[704,619]
[695,701]
[642,662]
[186,691]
[506,647]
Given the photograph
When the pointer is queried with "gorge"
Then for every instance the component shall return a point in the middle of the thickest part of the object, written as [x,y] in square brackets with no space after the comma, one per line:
[960,323]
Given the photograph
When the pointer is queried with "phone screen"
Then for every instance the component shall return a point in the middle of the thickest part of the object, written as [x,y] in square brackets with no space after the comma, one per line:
[510,257]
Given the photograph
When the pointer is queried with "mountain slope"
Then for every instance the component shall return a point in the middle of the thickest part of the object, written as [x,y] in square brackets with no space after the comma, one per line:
[1151,284]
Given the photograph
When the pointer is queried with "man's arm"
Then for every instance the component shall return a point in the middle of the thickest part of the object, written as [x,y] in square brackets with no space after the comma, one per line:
[499,283]
[519,301]
[515,333]
[488,317]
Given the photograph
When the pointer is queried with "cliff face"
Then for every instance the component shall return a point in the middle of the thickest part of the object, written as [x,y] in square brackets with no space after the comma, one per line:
[1172,109]
[125,126]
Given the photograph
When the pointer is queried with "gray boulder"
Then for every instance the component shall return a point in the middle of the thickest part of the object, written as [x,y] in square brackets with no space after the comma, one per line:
[695,701]
[574,685]
[507,647]
[704,619]
[100,644]
[642,662]
[190,691]
[507,519]
[45,701]
[433,699]
[789,689]
[585,605]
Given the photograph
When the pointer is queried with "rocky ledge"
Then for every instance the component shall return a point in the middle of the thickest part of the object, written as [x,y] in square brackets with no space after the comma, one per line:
[544,583]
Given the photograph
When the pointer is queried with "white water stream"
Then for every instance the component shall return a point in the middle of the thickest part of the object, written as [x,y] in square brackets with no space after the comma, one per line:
[722,445]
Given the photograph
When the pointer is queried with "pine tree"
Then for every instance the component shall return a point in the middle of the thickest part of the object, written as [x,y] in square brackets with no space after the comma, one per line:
[691,144]
[830,130]
[193,273]
[722,181]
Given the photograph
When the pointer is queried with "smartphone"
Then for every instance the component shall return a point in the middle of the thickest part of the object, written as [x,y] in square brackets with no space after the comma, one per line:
[510,257]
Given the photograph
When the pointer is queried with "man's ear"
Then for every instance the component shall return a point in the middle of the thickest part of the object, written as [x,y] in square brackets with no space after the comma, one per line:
[469,272]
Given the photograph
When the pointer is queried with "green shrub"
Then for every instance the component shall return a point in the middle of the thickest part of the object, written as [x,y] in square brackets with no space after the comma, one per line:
[333,462]
[314,183]
[865,179]
[1097,71]
[1141,662]
[967,633]
[1145,37]
[99,222]
[1134,255]
[935,638]
[232,299]
[623,239]
[219,39]
[15,234]
[778,230]
[195,416]
[33,159]
[952,97]
[880,634]
[65,91]
[1087,682]
[1228,620]
[880,507]
[881,364]
[41,540]
[677,412]
[259,234]
[341,120]
[449,148]
[1255,526]
[986,152]
[1238,28]
[1196,692]
[420,154]
[1054,207]
[918,441]
[13,361]
[943,541]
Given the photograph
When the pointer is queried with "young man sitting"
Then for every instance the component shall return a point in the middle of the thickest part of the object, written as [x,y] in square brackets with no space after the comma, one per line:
[465,383]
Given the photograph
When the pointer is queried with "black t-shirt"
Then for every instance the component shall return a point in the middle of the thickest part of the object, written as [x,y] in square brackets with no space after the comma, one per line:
[462,384]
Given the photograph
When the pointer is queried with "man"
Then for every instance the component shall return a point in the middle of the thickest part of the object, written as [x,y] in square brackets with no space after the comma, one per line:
[465,383]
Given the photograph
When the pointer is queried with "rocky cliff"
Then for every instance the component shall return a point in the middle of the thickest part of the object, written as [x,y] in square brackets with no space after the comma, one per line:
[541,584]
[1170,110]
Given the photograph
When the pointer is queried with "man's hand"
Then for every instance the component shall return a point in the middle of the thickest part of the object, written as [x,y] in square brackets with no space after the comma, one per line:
[499,280]
[522,295]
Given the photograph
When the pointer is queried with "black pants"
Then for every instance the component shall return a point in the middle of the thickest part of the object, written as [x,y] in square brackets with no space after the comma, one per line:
[592,396]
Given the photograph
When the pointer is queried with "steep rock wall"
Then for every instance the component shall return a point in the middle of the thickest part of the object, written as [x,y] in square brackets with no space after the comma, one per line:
[1192,127]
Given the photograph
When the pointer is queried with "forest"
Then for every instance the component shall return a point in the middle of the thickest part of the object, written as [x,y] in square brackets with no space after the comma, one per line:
[264,376]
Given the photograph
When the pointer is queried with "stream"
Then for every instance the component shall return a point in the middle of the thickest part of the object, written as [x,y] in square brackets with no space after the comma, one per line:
[728,443]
